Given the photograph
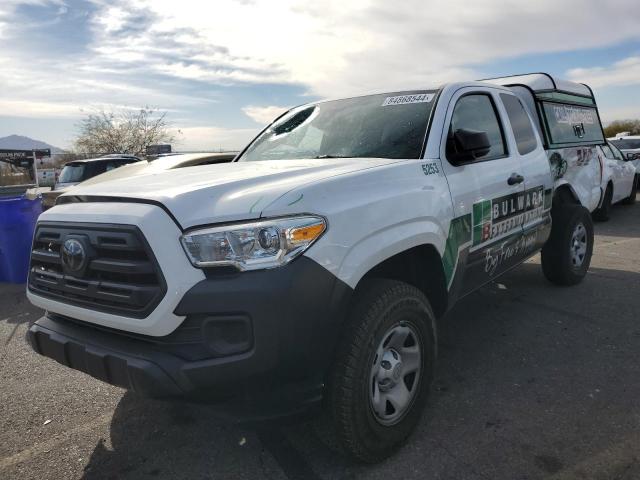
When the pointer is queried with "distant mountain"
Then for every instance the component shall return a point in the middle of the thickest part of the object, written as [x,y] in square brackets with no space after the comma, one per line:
[18,142]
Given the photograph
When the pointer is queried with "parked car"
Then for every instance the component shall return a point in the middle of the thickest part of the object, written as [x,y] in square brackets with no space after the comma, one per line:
[78,171]
[629,145]
[618,180]
[145,167]
[162,163]
[314,266]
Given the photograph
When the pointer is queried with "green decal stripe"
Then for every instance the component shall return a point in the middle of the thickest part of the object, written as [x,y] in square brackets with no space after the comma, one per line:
[459,234]
[481,217]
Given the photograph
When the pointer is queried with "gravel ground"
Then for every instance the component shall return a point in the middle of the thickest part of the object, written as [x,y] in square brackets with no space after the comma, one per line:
[534,381]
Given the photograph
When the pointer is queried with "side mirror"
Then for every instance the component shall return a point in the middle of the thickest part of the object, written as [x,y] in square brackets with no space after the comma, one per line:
[468,145]
[631,156]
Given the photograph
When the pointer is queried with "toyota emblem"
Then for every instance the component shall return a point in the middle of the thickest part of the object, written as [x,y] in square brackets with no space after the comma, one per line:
[73,255]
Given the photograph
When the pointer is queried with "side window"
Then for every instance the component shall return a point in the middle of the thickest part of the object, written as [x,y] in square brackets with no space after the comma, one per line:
[616,153]
[101,167]
[117,164]
[476,113]
[520,123]
[93,169]
[607,151]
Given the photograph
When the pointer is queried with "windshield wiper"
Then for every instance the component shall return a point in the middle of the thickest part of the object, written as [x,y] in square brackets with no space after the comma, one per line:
[332,156]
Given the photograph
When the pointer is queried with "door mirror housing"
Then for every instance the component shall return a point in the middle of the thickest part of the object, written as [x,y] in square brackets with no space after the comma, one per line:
[468,145]
[631,156]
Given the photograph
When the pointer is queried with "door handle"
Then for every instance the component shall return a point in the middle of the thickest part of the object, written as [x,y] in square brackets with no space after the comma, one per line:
[515,178]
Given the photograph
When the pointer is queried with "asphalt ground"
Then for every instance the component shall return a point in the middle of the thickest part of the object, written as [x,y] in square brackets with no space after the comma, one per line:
[533,381]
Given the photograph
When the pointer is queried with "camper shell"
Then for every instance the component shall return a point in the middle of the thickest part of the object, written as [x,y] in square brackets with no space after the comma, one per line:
[566,116]
[565,112]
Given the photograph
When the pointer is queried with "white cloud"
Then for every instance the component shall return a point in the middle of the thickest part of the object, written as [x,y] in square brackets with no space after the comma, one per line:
[26,108]
[337,48]
[621,73]
[263,115]
[113,18]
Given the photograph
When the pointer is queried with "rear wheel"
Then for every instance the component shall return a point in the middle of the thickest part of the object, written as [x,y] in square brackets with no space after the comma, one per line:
[602,214]
[631,199]
[383,369]
[567,254]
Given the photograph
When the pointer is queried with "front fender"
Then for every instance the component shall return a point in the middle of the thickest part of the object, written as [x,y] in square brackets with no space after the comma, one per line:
[383,244]
[373,215]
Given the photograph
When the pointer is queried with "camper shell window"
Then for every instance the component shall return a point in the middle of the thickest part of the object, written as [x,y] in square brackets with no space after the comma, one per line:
[568,123]
[565,112]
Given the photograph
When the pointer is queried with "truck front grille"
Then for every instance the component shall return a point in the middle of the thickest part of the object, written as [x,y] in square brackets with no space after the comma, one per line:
[120,274]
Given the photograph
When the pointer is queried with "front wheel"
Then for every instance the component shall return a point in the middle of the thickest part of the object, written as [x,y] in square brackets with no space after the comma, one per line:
[383,369]
[567,254]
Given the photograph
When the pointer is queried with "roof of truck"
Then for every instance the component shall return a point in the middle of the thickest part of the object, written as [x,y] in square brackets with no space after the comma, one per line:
[543,82]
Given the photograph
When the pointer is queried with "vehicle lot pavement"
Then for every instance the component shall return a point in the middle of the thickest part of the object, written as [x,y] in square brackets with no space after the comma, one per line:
[533,381]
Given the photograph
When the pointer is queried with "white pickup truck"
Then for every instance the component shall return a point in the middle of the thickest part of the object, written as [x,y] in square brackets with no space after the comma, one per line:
[311,269]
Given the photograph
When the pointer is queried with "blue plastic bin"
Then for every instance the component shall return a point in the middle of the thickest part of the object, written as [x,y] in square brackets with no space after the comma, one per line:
[18,217]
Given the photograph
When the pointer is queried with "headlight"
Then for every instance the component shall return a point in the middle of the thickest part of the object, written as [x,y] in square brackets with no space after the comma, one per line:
[255,245]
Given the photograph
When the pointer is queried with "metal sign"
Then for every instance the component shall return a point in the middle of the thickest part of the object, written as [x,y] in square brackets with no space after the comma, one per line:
[16,154]
[20,154]
[24,159]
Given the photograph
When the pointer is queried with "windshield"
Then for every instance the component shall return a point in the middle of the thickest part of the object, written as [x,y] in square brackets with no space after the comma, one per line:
[391,125]
[626,144]
[71,173]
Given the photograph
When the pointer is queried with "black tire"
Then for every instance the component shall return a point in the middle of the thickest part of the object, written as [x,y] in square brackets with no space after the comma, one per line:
[380,306]
[558,259]
[602,214]
[631,199]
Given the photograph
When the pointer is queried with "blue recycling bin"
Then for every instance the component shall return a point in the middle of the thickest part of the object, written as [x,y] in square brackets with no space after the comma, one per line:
[18,217]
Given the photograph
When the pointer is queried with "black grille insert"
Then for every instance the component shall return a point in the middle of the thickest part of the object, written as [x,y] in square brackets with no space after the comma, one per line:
[122,276]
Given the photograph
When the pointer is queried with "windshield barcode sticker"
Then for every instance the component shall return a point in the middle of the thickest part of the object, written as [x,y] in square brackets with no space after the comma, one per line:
[404,99]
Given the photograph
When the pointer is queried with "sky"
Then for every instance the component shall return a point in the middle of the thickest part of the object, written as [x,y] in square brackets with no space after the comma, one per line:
[223,69]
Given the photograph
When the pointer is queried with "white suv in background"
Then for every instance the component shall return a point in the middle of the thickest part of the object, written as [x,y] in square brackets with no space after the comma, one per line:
[618,180]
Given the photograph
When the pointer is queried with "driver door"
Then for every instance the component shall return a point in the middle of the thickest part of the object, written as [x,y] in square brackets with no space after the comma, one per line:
[484,190]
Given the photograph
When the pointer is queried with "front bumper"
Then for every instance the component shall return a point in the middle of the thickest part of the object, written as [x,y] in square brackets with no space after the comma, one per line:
[103,356]
[294,316]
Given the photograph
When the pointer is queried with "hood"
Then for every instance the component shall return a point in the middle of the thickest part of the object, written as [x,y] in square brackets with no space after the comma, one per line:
[227,191]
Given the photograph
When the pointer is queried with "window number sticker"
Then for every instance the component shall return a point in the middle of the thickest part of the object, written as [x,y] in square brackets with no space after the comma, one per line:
[405,99]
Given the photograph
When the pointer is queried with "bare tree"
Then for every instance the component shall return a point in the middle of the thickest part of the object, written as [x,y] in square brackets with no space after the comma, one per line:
[123,131]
